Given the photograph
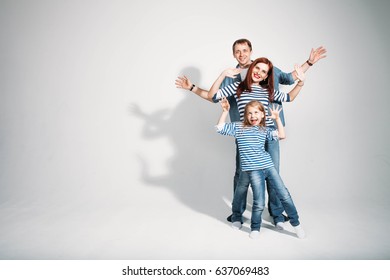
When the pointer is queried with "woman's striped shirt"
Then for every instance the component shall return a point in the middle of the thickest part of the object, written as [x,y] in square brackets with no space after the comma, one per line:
[250,141]
[258,93]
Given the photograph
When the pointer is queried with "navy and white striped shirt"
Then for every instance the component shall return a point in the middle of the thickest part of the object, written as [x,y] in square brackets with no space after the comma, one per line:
[258,93]
[250,141]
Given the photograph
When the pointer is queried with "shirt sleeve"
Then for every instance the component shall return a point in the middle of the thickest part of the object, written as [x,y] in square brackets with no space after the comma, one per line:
[227,81]
[280,96]
[228,129]
[227,91]
[283,78]
[272,134]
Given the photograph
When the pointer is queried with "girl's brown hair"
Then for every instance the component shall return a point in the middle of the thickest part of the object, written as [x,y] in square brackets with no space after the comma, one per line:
[254,103]
[268,83]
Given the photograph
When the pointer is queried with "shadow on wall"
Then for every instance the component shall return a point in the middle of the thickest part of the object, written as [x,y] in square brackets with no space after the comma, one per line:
[200,173]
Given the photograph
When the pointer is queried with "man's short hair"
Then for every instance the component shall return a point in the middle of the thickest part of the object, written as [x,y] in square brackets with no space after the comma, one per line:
[242,41]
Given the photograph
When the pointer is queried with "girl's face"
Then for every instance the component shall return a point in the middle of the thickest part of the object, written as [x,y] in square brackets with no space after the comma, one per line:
[254,115]
[260,72]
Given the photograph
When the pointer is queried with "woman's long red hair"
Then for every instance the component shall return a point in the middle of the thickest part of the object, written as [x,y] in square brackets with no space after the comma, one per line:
[268,83]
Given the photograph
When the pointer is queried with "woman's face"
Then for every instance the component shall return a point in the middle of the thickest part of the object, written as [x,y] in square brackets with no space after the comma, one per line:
[260,72]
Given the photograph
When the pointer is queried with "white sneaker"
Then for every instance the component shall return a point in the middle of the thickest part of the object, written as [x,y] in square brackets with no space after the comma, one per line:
[300,232]
[280,225]
[254,234]
[237,225]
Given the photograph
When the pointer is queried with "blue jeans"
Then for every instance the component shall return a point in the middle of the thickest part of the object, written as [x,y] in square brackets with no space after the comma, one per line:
[275,207]
[256,179]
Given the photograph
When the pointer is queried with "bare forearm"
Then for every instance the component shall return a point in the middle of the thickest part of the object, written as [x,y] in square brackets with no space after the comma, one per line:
[185,83]
[281,131]
[201,93]
[215,87]
[305,66]
[223,117]
[315,55]
[296,90]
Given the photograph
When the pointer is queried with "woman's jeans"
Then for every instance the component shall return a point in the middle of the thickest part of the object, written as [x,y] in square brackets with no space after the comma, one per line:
[275,207]
[256,179]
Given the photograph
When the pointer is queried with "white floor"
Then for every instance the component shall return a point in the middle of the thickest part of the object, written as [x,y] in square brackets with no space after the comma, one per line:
[122,226]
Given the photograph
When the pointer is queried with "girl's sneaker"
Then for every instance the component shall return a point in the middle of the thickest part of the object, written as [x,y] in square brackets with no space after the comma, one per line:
[280,225]
[299,231]
[237,225]
[254,234]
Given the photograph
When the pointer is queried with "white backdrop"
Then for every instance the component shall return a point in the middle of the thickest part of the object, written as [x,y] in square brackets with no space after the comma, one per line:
[101,157]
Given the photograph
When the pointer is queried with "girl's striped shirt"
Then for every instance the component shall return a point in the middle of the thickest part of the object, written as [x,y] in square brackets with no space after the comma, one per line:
[250,141]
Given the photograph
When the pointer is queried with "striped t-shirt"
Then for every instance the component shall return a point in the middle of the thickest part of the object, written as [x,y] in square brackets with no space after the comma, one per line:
[258,93]
[250,141]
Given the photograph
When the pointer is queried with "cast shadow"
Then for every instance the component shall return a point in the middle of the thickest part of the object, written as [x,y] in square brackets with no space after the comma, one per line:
[200,173]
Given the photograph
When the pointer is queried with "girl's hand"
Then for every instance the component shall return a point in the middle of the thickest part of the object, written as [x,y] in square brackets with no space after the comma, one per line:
[274,111]
[183,82]
[225,104]
[300,74]
[231,72]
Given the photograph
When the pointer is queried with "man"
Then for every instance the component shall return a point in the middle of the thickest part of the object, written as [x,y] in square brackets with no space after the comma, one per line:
[242,51]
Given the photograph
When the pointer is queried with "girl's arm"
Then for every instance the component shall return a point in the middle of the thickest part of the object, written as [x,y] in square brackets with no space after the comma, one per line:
[225,110]
[223,128]
[274,111]
[230,72]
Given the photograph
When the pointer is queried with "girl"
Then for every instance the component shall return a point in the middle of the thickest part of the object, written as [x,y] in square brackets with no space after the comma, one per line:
[256,164]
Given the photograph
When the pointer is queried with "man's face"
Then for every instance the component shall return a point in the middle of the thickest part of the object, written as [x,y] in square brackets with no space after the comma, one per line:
[242,53]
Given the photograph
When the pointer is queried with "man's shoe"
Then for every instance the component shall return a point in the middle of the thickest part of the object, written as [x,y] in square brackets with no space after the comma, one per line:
[229,219]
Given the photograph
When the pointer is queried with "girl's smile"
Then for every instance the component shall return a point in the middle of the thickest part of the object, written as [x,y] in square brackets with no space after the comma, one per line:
[254,115]
[254,121]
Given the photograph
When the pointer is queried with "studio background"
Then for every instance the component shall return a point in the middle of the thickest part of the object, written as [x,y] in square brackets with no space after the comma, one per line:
[101,157]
